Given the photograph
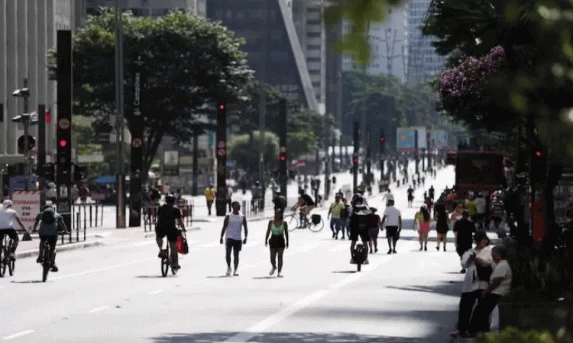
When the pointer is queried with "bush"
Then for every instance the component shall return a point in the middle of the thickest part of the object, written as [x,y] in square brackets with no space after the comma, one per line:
[513,335]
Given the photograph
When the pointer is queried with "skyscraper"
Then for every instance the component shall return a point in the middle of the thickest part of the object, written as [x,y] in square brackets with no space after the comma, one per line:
[146,8]
[273,47]
[423,61]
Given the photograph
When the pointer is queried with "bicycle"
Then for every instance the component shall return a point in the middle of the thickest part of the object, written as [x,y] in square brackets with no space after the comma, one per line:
[5,260]
[166,262]
[316,223]
[47,262]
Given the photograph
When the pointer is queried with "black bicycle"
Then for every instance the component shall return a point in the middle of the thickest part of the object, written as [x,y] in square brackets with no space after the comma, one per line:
[5,260]
[166,262]
[47,263]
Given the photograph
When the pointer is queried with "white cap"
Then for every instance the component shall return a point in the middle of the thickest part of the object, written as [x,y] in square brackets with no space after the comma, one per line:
[7,203]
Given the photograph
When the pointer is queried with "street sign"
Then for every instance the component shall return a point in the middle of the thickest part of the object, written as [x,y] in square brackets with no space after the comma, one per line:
[231,163]
[221,152]
[137,143]
[27,204]
[64,123]
[221,145]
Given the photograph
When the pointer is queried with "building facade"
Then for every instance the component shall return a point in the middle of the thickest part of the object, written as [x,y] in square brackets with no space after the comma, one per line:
[388,44]
[272,44]
[423,61]
[146,8]
[27,31]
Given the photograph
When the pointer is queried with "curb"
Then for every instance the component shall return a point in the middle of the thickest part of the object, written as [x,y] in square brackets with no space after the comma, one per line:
[62,248]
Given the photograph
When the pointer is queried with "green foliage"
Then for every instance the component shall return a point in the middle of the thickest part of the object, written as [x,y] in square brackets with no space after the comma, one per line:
[84,137]
[300,143]
[513,335]
[361,14]
[244,149]
[189,62]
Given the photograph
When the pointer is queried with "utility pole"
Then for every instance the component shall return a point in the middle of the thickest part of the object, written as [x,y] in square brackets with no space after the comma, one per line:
[326,159]
[119,103]
[355,156]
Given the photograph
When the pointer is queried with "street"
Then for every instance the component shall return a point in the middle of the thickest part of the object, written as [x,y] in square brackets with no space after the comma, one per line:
[115,292]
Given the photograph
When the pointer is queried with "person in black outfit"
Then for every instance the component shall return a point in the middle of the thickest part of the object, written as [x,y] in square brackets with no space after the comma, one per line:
[167,216]
[410,196]
[431,192]
[442,221]
[463,232]
[280,202]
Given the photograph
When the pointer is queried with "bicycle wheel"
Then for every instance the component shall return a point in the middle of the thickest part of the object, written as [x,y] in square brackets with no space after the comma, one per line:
[3,266]
[173,270]
[316,227]
[292,222]
[45,271]
[11,267]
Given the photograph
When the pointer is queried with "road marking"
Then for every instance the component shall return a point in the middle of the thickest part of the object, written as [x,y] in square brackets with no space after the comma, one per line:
[97,309]
[155,292]
[19,334]
[87,272]
[283,314]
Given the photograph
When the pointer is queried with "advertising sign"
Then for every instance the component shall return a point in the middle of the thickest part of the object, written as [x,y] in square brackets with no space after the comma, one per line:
[443,139]
[422,142]
[405,139]
[27,204]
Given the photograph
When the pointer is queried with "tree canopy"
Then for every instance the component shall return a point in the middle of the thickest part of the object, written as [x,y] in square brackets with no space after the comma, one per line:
[188,62]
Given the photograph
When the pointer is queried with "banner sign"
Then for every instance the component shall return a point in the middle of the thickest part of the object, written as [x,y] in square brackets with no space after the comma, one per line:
[19,183]
[405,139]
[27,204]
[422,137]
[136,166]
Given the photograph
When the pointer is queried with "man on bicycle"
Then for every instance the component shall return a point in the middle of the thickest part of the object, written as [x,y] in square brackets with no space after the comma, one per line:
[306,204]
[359,225]
[49,222]
[7,217]
[168,216]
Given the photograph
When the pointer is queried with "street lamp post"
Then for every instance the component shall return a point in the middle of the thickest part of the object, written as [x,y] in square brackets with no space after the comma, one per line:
[120,209]
[25,119]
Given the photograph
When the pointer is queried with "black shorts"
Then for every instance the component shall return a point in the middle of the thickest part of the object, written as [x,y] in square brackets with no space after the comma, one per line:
[10,232]
[52,240]
[391,231]
[234,244]
[171,233]
[363,234]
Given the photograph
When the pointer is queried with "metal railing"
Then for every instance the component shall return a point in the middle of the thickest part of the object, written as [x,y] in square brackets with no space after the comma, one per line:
[149,214]
[87,215]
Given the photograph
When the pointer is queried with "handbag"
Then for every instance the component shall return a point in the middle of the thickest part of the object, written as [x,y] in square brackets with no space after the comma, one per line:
[181,245]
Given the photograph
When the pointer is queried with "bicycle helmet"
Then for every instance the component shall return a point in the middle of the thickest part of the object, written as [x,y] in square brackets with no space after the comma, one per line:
[169,199]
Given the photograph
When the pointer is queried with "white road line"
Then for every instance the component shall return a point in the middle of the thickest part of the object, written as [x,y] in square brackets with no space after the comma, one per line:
[299,305]
[87,272]
[155,292]
[19,334]
[97,309]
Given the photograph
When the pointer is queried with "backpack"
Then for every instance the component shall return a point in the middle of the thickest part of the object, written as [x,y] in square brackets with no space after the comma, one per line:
[48,217]
[48,225]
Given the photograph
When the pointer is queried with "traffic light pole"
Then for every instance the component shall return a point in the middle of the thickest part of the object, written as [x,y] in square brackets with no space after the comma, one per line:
[42,151]
[283,164]
[355,156]
[416,153]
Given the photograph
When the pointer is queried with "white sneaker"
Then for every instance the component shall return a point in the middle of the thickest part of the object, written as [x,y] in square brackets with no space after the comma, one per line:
[272,271]
[279,275]
[235,273]
[228,272]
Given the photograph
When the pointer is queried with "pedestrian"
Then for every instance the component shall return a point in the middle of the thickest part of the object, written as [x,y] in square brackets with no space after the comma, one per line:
[457,213]
[422,225]
[229,197]
[334,214]
[477,262]
[481,209]
[234,242]
[278,232]
[442,225]
[210,197]
[431,192]
[463,232]
[392,220]
[344,217]
[499,286]
[84,192]
[387,197]
[471,206]
[374,230]
[410,196]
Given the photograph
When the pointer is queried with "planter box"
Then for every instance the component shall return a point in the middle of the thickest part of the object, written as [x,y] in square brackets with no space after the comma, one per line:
[548,315]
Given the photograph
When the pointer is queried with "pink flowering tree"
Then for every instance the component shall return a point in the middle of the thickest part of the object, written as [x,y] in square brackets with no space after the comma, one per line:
[465,90]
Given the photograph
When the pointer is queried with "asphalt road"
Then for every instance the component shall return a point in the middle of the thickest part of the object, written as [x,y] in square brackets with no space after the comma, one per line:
[115,293]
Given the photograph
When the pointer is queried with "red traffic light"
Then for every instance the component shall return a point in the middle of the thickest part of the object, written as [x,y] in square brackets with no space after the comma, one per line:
[221,107]
[538,153]
[63,143]
[382,139]
[283,157]
[355,159]
[48,118]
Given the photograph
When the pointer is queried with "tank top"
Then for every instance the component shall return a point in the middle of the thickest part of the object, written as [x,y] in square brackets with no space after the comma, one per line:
[234,226]
[277,231]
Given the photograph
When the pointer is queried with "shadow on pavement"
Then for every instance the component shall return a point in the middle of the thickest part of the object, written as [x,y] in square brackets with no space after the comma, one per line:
[150,277]
[264,277]
[294,337]
[29,281]
[344,272]
[451,288]
[218,277]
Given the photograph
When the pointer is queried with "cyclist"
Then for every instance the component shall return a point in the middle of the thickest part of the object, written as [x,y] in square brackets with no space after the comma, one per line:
[167,217]
[359,225]
[49,222]
[306,204]
[232,225]
[7,217]
[257,196]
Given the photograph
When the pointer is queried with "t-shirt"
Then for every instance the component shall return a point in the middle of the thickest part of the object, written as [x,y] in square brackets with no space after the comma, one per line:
[392,215]
[471,280]
[234,226]
[502,270]
[480,205]
[50,229]
[471,207]
[410,192]
[336,209]
[464,228]
[307,200]
[209,194]
[388,196]
[7,216]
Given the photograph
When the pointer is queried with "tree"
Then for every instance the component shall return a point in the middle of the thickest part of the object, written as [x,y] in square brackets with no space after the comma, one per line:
[244,149]
[189,63]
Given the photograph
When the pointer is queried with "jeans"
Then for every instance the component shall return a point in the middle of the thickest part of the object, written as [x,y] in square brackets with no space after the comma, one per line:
[467,302]
[480,318]
[336,224]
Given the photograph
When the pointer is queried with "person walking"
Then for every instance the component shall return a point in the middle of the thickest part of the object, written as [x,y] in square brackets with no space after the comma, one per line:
[442,224]
[344,217]
[278,242]
[210,197]
[334,214]
[374,230]
[234,242]
[477,262]
[481,205]
[393,220]
[229,197]
[422,225]
[463,232]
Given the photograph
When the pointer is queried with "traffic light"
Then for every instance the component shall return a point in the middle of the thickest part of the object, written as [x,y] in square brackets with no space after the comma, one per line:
[48,117]
[283,157]
[538,164]
[355,161]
